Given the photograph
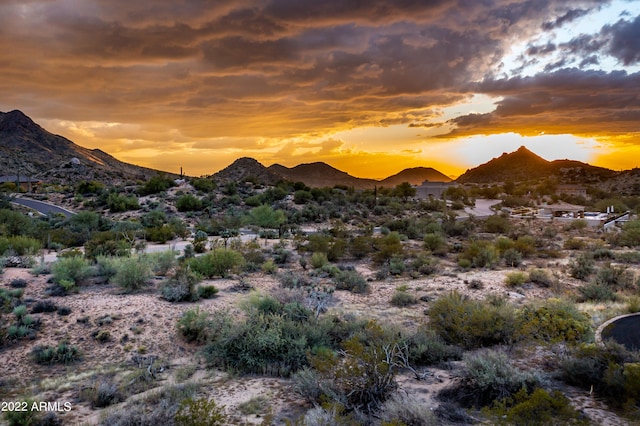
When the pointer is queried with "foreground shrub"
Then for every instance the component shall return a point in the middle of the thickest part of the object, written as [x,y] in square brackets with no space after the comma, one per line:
[181,286]
[489,376]
[133,273]
[352,281]
[471,323]
[194,326]
[207,291]
[428,348]
[162,262]
[69,272]
[406,410]
[594,292]
[217,263]
[581,267]
[540,277]
[200,412]
[538,408]
[403,299]
[553,321]
[61,354]
[514,279]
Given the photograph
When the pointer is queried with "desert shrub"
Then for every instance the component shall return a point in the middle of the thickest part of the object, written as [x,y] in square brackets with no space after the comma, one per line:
[602,254]
[292,279]
[28,417]
[104,395]
[318,260]
[61,354]
[162,262]
[481,254]
[43,306]
[396,265]
[540,277]
[207,291]
[352,281]
[631,233]
[156,184]
[273,339]
[387,247]
[594,292]
[181,286]
[616,277]
[424,264]
[107,266]
[512,257]
[516,278]
[200,412]
[537,408]
[574,244]
[497,224]
[628,257]
[363,377]
[406,410]
[188,203]
[471,323]
[64,311]
[160,234]
[18,283]
[19,245]
[402,299]
[133,273]
[553,321]
[581,267]
[194,326]
[427,348]
[70,270]
[281,256]
[269,267]
[434,242]
[475,284]
[218,262]
[102,336]
[488,376]
[121,203]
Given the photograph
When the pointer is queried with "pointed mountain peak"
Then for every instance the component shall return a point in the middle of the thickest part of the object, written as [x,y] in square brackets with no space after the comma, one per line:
[16,119]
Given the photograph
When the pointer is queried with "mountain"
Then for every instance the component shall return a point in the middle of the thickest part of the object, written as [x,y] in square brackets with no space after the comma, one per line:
[415,176]
[244,169]
[321,174]
[522,165]
[26,149]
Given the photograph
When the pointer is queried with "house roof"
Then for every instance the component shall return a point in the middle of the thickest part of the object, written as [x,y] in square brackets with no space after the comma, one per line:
[564,207]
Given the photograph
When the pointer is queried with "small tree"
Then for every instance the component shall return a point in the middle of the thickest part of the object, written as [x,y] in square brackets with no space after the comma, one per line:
[266,217]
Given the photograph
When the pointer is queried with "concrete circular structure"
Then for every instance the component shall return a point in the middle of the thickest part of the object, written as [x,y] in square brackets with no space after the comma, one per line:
[624,329]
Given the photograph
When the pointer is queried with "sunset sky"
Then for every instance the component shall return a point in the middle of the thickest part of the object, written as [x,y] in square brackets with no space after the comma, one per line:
[370,87]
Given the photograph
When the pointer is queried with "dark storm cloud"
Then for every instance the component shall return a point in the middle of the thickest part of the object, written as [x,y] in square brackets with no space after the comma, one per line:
[569,16]
[625,40]
[273,67]
[568,101]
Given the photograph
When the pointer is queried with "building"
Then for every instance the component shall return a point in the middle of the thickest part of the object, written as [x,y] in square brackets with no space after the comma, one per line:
[563,210]
[573,190]
[26,183]
[428,189]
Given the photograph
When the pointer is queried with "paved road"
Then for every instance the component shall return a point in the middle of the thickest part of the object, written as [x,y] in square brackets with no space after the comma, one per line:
[41,207]
[482,208]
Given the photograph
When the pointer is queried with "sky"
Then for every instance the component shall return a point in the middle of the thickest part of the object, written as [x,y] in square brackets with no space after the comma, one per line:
[370,87]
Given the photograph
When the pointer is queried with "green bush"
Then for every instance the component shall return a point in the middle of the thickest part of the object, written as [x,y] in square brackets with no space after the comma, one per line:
[121,203]
[200,412]
[188,203]
[28,417]
[61,354]
[207,291]
[162,262]
[318,260]
[553,321]
[512,257]
[19,245]
[489,376]
[181,286]
[434,242]
[516,278]
[594,292]
[540,277]
[471,323]
[616,277]
[581,267]
[537,408]
[70,270]
[406,410]
[133,273]
[403,299]
[427,348]
[218,262]
[352,281]
[194,326]
[269,267]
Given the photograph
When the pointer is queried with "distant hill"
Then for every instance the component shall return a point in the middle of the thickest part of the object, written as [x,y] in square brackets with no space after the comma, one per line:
[415,176]
[522,165]
[26,149]
[245,169]
[321,174]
